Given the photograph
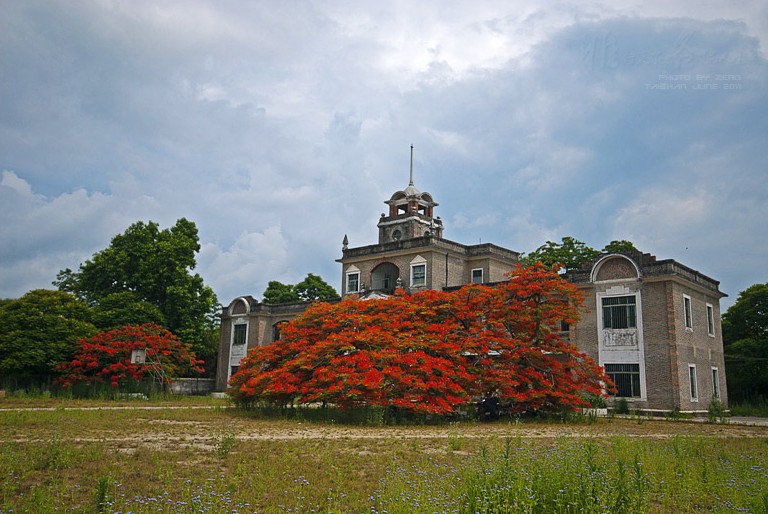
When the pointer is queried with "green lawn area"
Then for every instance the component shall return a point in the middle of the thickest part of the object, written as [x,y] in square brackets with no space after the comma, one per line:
[209,457]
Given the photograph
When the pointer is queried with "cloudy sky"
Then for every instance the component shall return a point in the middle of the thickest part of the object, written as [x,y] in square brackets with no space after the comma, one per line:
[279,127]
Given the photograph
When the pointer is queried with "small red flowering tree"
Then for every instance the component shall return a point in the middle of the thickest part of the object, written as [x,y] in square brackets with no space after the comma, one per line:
[110,357]
[430,352]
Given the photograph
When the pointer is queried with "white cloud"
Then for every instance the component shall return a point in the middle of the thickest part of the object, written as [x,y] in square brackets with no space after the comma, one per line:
[13,182]
[660,216]
[247,265]
[278,128]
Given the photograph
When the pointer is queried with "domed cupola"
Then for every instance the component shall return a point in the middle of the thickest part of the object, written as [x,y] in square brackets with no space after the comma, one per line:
[411,214]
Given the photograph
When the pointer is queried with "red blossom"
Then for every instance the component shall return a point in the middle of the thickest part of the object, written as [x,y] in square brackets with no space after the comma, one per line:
[106,357]
[431,352]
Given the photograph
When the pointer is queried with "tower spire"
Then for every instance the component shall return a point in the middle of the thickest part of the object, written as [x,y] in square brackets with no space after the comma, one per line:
[411,182]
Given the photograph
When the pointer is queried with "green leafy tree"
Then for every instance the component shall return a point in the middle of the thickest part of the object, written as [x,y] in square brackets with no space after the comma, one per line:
[277,292]
[315,288]
[125,308]
[40,330]
[156,266]
[619,246]
[745,340]
[570,253]
[310,289]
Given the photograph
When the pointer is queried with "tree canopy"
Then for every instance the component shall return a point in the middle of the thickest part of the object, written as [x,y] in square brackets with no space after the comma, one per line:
[125,308]
[40,330]
[573,254]
[155,267]
[277,292]
[619,246]
[310,289]
[745,340]
[431,352]
[570,253]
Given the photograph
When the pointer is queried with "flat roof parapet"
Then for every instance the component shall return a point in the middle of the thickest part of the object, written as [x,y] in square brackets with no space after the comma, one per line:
[433,243]
[650,267]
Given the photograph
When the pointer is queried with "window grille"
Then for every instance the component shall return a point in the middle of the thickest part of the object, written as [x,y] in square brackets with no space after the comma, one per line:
[619,312]
[239,335]
[626,377]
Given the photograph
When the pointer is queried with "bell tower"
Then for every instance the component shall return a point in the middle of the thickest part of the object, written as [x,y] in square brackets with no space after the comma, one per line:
[411,215]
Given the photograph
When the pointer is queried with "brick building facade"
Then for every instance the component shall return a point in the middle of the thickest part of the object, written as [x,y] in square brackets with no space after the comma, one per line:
[653,324]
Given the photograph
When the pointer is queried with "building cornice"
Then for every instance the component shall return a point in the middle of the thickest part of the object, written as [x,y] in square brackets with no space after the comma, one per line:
[425,243]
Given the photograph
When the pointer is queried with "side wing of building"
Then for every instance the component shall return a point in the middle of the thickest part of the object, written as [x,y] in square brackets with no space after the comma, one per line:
[655,328]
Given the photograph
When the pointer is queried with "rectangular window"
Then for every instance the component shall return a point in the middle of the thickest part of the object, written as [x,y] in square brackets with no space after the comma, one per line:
[693,382]
[477,276]
[626,377]
[619,312]
[710,320]
[239,333]
[353,282]
[715,383]
[688,313]
[386,282]
[419,275]
[233,370]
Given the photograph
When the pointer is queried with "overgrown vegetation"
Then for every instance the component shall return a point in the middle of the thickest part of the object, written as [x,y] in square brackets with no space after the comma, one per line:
[756,406]
[745,341]
[217,460]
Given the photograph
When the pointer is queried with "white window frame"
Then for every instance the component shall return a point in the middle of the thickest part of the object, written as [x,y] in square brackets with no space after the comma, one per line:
[418,262]
[710,320]
[715,383]
[241,347]
[356,276]
[351,272]
[693,382]
[630,354]
[422,281]
[472,276]
[687,312]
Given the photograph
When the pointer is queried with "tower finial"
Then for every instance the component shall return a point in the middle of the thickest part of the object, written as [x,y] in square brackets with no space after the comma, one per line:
[411,182]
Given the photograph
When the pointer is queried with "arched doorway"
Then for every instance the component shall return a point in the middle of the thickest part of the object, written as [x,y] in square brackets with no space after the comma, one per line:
[384,277]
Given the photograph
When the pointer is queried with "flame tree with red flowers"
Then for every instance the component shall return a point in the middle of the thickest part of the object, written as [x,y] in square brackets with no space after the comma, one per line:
[517,352]
[130,353]
[431,352]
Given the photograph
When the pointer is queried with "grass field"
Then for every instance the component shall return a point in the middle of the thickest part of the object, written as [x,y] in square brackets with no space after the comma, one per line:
[198,455]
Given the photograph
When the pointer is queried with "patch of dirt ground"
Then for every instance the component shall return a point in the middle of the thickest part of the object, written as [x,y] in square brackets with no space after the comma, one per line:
[165,432]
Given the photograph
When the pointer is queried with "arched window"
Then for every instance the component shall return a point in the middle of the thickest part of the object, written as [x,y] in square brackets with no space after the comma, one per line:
[276,330]
[384,277]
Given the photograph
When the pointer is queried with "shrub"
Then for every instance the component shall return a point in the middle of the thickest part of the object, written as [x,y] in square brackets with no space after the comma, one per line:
[622,406]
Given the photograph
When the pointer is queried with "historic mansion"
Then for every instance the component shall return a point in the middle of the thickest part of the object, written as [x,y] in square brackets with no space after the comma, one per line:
[654,325]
